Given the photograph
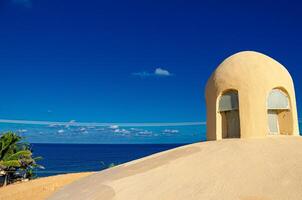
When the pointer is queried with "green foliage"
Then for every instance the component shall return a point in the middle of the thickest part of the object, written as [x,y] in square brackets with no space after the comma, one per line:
[16,161]
[111,165]
[104,166]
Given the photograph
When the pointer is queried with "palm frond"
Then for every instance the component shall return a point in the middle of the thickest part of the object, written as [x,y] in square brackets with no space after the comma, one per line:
[19,155]
[10,163]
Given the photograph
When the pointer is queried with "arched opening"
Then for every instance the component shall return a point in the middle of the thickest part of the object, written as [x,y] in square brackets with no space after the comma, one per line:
[279,113]
[229,110]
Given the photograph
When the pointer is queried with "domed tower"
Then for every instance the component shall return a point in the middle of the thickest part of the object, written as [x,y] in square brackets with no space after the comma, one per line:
[250,95]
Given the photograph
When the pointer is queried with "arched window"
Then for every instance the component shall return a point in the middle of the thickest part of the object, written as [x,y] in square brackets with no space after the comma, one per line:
[279,114]
[228,101]
[277,100]
[229,110]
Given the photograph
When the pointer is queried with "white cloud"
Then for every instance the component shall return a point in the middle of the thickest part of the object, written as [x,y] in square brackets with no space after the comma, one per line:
[162,72]
[142,74]
[22,130]
[61,131]
[157,72]
[114,126]
[123,131]
[144,133]
[170,131]
[82,129]
[136,129]
[54,125]
[70,123]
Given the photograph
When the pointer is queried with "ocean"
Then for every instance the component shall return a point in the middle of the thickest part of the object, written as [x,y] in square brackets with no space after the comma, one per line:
[62,152]
[71,149]
[71,158]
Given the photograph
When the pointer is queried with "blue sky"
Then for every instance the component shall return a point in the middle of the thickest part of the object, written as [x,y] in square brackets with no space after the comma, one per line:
[132,61]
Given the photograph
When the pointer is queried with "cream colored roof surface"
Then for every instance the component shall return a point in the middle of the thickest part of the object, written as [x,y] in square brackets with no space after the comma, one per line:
[251,169]
[250,68]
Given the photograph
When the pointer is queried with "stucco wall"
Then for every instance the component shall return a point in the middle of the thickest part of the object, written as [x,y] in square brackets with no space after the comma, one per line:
[285,125]
[253,75]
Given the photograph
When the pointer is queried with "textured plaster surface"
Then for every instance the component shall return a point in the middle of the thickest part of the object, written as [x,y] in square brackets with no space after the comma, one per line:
[253,75]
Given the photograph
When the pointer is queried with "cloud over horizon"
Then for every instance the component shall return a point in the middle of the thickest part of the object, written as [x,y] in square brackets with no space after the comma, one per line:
[111,133]
[159,72]
[98,124]
[162,72]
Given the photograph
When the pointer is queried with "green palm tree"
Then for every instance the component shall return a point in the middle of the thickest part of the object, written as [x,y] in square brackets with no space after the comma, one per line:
[15,156]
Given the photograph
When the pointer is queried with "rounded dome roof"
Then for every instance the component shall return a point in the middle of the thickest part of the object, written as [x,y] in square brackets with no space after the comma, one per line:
[249,69]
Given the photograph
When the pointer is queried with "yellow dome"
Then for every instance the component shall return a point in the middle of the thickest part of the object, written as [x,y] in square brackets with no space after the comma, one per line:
[251,76]
[250,69]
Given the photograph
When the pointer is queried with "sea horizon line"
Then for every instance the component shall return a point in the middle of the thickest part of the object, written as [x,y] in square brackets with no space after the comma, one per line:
[98,124]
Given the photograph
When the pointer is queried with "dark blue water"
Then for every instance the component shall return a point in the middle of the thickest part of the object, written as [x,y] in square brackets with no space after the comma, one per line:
[69,158]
